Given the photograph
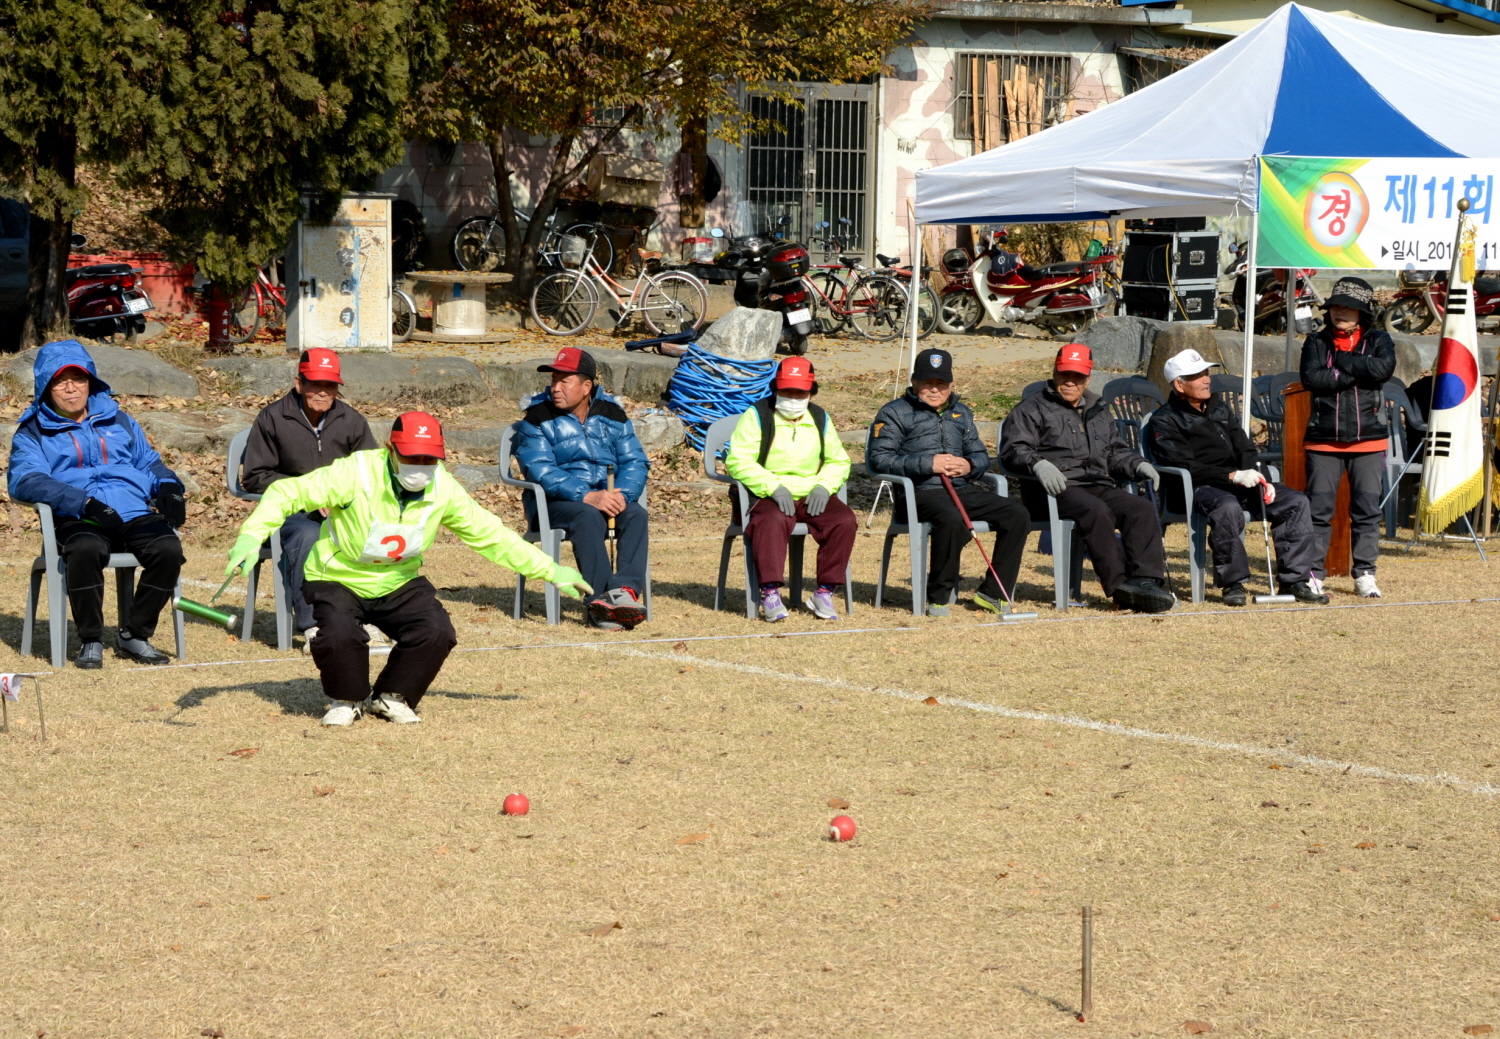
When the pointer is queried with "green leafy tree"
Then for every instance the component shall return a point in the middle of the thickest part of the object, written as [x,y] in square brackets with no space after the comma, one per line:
[525,68]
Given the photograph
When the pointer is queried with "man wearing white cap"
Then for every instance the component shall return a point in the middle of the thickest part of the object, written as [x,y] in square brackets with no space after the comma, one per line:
[1197,433]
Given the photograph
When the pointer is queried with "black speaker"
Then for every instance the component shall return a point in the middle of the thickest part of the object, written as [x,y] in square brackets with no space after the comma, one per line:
[1151,255]
[1193,302]
[1169,223]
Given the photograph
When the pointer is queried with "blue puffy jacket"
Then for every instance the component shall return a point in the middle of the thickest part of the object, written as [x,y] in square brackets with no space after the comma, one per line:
[569,458]
[63,462]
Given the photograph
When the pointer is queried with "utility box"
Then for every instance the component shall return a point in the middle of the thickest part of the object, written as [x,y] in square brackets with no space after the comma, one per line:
[339,278]
[625,180]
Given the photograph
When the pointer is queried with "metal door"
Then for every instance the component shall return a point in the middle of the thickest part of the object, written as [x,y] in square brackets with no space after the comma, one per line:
[817,168]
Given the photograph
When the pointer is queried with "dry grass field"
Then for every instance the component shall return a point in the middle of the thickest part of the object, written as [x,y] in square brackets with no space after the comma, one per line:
[1282,817]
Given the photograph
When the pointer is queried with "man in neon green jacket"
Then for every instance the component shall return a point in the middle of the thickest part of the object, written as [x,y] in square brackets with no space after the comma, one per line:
[787,453]
[384,510]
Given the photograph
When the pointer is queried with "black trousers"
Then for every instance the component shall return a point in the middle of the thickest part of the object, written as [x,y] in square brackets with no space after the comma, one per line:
[1291,531]
[86,548]
[1098,510]
[587,527]
[411,616]
[299,533]
[1007,519]
[1366,475]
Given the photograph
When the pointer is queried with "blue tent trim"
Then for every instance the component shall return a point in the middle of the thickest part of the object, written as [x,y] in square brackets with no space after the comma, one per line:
[1324,107]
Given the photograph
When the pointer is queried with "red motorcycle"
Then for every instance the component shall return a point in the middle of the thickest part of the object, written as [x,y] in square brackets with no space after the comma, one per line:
[1423,298]
[105,299]
[1270,298]
[1061,297]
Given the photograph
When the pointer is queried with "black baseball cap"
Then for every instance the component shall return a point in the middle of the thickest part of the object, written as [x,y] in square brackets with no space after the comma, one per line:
[571,360]
[933,364]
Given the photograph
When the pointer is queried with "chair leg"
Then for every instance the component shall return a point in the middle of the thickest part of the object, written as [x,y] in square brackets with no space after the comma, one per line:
[1198,556]
[648,581]
[849,589]
[885,565]
[795,551]
[920,546]
[286,618]
[723,571]
[518,608]
[252,587]
[179,625]
[28,626]
[551,595]
[57,613]
[752,582]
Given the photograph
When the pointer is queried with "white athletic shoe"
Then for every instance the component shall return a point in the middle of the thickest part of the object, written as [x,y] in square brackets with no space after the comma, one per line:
[342,713]
[307,637]
[393,709]
[1365,587]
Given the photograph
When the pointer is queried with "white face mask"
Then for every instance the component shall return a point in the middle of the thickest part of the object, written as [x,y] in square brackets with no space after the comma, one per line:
[791,407]
[414,477]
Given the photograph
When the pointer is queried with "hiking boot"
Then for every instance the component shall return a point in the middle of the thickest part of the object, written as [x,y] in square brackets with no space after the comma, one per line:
[1234,595]
[937,609]
[1144,595]
[90,656]
[138,649]
[342,713]
[393,708]
[1365,587]
[820,603]
[1303,591]
[307,637]
[620,605]
[603,623]
[992,604]
[771,608]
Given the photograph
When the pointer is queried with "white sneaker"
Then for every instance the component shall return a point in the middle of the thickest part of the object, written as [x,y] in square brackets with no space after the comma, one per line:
[393,709]
[1365,587]
[343,713]
[307,637]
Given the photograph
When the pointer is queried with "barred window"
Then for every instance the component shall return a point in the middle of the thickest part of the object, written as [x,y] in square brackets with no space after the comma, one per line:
[1004,97]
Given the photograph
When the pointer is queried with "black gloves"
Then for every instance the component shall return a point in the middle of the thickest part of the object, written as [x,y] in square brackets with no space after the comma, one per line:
[172,504]
[95,511]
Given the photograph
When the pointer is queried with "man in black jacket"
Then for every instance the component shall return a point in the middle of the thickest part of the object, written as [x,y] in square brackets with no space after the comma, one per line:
[1197,433]
[1066,438]
[927,434]
[305,430]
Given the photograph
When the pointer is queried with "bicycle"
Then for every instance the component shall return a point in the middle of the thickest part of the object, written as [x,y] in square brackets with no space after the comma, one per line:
[479,242]
[564,302]
[874,303]
[263,305]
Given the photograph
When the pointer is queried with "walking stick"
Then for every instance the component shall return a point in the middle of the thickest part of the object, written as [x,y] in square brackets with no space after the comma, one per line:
[613,550]
[969,526]
[1265,536]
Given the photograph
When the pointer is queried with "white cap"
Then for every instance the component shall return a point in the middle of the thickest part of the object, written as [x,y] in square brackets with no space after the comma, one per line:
[1186,364]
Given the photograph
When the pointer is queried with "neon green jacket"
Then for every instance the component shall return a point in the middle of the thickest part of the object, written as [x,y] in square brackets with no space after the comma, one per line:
[793,459]
[372,546]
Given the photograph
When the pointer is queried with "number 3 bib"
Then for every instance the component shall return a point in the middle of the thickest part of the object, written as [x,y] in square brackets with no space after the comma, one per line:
[392,543]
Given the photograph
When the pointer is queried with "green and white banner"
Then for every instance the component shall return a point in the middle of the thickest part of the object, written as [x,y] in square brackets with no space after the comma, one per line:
[1374,214]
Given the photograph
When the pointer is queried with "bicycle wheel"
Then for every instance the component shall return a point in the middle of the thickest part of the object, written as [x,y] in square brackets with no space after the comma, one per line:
[595,235]
[959,313]
[1409,315]
[927,312]
[824,301]
[563,304]
[244,315]
[675,302]
[877,305]
[479,244]
[403,316]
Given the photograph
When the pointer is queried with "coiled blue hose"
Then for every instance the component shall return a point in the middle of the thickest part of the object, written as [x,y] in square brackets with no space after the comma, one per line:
[707,387]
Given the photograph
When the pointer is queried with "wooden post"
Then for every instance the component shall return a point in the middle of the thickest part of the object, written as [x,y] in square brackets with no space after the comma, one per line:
[994,133]
[976,104]
[1086,999]
[1294,475]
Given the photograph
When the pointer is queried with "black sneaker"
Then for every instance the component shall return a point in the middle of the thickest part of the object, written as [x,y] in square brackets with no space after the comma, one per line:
[1302,591]
[90,656]
[139,649]
[1145,595]
[1234,595]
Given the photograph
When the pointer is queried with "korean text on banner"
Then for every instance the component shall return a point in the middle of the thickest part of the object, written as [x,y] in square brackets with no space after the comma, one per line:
[1374,214]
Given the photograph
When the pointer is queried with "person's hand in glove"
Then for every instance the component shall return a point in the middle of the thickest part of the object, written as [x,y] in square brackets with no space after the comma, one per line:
[817,501]
[95,511]
[242,555]
[1267,491]
[1147,471]
[1053,481]
[783,499]
[569,582]
[1244,477]
[171,502]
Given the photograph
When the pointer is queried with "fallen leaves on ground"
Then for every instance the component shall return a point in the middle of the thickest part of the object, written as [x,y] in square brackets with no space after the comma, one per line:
[1365,845]
[322,791]
[837,802]
[571,1030]
[244,752]
[678,647]
[692,838]
[602,930]
[213,1033]
[1197,1027]
[931,701]
[1478,1029]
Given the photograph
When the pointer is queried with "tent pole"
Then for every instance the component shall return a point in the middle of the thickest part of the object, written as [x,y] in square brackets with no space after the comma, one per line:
[1291,318]
[1248,370]
[916,287]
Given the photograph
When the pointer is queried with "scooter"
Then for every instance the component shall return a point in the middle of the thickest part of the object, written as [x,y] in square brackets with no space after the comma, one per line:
[768,276]
[105,299]
[1423,299]
[1270,297]
[1061,297]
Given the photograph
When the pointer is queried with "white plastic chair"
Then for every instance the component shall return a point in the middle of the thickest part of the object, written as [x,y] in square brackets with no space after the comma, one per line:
[715,444]
[270,550]
[52,566]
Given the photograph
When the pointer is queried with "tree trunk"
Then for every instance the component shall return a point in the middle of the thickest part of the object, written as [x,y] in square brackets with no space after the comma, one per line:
[51,231]
[505,204]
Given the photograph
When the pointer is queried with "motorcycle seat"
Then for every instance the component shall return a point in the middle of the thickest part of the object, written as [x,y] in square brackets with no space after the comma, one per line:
[1062,268]
[1487,286]
[887,261]
[98,270]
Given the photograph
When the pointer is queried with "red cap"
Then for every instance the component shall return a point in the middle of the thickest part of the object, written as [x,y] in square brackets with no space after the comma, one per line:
[795,373]
[74,367]
[320,365]
[1075,357]
[417,433]
[570,360]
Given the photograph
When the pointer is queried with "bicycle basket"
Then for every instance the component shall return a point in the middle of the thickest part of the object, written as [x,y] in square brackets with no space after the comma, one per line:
[571,250]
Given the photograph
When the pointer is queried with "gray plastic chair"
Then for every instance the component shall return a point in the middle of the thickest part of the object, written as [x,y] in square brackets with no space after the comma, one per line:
[1033,388]
[1231,390]
[1399,412]
[269,551]
[1132,397]
[1061,531]
[715,444]
[546,536]
[52,567]
[1268,403]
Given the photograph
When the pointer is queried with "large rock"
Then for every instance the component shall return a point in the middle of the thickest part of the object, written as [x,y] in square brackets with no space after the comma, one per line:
[658,431]
[1121,344]
[369,378]
[1270,355]
[199,432]
[1426,348]
[138,373]
[639,376]
[255,376]
[1175,338]
[743,335]
[516,380]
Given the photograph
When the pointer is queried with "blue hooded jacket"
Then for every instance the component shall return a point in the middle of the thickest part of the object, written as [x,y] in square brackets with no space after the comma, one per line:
[63,462]
[569,458]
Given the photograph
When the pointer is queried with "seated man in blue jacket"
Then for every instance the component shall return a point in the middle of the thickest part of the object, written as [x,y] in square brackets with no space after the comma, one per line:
[75,450]
[573,436]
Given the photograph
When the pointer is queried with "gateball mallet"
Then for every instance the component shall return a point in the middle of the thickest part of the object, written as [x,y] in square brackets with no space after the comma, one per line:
[969,525]
[1265,536]
[198,609]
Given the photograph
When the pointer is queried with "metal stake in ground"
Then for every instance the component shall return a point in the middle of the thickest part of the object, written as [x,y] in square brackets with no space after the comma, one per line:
[1086,999]
[969,525]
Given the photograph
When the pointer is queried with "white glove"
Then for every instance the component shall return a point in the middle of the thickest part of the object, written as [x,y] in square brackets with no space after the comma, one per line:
[1147,471]
[1051,477]
[1245,477]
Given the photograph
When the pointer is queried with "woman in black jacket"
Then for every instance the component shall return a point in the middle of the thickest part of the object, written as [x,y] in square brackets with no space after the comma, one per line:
[1346,365]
